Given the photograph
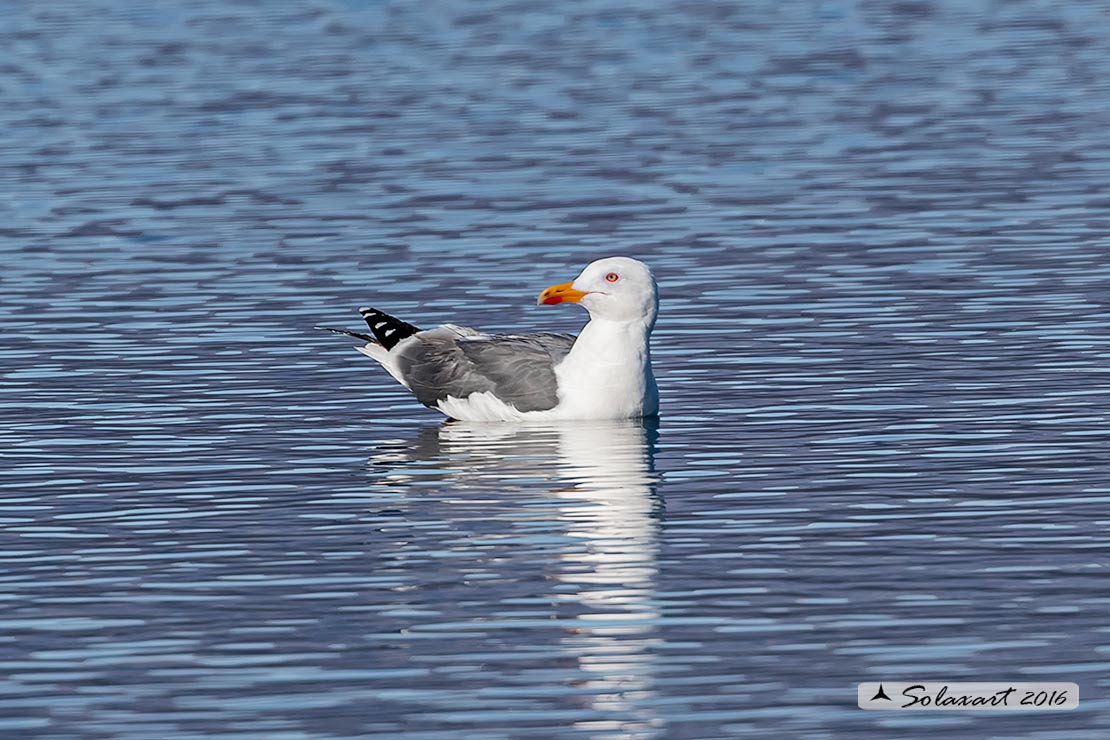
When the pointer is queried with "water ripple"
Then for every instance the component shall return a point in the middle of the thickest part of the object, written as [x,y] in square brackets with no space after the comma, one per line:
[882,358]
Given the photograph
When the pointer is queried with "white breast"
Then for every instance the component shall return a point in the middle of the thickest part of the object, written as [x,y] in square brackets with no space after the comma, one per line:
[607,374]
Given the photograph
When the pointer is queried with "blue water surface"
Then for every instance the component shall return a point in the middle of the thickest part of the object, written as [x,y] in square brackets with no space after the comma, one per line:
[881,232]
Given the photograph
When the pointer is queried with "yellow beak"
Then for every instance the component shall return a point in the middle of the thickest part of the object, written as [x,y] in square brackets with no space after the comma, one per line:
[561,293]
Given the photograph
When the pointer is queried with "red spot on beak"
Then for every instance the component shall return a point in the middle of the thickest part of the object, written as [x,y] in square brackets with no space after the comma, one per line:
[561,293]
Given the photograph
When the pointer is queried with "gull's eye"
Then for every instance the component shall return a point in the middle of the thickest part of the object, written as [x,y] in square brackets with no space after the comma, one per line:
[612,277]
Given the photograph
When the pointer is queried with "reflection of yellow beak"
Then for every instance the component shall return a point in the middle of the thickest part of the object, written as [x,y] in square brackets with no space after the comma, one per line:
[561,293]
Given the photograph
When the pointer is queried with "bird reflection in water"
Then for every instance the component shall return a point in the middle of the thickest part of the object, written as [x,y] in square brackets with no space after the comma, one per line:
[601,498]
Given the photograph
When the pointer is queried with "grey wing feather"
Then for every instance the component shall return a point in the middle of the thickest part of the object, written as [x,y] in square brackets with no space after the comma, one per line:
[518,369]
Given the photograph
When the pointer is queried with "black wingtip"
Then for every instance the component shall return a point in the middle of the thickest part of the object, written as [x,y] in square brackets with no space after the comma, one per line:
[344,332]
[387,329]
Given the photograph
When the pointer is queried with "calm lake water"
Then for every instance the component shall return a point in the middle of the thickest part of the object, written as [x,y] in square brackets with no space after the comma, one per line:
[882,234]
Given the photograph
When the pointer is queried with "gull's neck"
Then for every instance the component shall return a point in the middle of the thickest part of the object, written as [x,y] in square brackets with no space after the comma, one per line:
[608,370]
[611,340]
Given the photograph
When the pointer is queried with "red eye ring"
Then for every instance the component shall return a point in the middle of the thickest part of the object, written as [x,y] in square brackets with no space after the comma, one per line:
[612,277]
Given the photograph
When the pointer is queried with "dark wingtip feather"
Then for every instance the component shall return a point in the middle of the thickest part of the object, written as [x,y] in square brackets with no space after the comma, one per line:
[344,332]
[387,329]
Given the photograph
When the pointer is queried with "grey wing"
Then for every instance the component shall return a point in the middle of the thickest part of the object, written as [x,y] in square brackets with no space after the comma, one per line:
[518,369]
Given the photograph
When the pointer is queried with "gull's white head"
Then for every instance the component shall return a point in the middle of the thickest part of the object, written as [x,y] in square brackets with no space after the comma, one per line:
[613,289]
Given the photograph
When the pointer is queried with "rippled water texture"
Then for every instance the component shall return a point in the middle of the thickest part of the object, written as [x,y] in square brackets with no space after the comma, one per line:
[881,235]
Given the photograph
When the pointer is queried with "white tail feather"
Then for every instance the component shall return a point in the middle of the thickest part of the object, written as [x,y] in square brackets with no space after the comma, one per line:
[382,355]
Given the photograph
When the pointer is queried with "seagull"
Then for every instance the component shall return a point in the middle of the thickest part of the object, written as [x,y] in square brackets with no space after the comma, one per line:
[603,373]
